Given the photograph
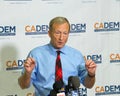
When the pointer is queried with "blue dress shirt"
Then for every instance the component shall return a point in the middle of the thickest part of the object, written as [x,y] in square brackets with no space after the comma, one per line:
[43,75]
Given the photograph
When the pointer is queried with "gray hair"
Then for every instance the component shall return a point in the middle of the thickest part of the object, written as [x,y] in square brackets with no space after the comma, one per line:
[58,20]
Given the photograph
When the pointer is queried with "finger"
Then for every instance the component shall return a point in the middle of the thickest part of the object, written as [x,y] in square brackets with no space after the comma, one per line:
[30,60]
[92,66]
[27,62]
[26,65]
[88,62]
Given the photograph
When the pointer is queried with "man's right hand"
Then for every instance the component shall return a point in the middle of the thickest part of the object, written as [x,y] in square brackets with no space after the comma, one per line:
[29,65]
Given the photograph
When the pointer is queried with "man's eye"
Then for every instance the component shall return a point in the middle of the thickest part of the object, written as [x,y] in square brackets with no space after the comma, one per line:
[57,32]
[65,33]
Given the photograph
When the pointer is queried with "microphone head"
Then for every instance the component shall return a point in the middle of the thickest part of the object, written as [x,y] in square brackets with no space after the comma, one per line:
[58,85]
[70,85]
[73,82]
[53,93]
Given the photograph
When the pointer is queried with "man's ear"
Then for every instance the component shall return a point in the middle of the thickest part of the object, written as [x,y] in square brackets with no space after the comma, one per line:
[49,33]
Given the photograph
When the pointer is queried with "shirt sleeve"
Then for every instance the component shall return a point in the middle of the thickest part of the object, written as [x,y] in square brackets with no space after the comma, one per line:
[82,72]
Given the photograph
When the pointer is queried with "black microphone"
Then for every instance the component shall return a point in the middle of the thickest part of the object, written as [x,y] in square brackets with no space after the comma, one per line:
[58,89]
[58,86]
[74,82]
[73,86]
[53,93]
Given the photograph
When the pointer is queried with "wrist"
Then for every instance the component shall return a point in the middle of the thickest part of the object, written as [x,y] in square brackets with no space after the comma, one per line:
[27,73]
[91,76]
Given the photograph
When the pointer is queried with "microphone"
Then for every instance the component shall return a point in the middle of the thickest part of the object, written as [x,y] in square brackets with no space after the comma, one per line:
[52,93]
[58,89]
[74,82]
[73,86]
[58,86]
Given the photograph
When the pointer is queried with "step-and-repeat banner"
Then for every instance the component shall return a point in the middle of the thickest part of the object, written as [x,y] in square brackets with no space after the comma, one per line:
[95,31]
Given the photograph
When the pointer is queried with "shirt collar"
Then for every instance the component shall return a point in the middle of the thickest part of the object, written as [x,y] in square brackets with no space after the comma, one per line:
[53,49]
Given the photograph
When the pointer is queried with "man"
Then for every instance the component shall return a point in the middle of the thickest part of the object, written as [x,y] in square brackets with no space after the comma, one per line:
[39,67]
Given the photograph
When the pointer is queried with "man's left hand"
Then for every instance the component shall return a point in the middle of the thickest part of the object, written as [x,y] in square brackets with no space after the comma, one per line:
[91,67]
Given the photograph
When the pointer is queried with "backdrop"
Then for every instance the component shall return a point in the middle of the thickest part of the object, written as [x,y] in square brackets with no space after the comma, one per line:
[95,31]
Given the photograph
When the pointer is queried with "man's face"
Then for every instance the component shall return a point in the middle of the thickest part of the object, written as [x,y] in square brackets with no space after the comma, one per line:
[59,35]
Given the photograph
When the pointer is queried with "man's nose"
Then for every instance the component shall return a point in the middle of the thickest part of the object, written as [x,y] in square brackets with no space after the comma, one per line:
[61,36]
